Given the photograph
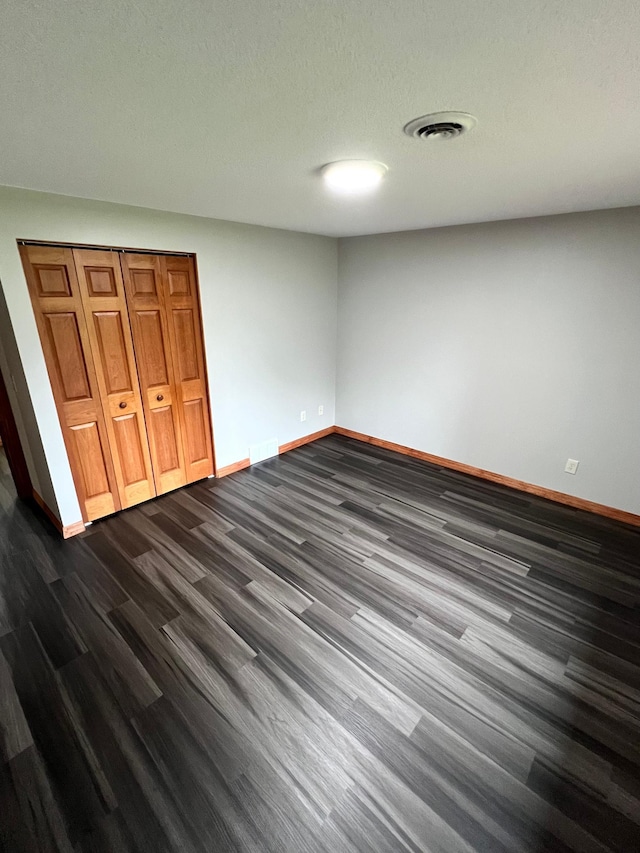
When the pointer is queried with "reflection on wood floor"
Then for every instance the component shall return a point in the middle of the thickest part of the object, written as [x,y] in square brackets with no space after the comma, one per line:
[341,649]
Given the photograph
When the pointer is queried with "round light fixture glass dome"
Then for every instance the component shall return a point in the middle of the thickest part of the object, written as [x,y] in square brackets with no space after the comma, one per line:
[354,176]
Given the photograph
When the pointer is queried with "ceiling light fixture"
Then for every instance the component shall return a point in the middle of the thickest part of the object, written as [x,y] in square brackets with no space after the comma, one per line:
[351,177]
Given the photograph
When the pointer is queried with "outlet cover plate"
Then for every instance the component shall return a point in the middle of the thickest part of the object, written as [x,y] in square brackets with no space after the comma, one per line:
[572,466]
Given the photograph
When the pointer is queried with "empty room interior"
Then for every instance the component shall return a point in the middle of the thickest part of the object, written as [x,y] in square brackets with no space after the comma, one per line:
[320,426]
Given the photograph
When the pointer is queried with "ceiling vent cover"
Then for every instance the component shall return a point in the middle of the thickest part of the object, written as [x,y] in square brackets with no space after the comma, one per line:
[443,126]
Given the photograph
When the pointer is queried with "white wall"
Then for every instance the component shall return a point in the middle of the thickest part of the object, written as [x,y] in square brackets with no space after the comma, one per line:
[269,315]
[20,401]
[509,346]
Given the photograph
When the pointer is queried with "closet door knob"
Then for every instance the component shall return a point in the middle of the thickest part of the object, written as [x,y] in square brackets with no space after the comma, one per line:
[160,397]
[123,405]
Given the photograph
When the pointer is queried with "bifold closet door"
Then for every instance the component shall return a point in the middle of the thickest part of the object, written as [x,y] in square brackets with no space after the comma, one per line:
[102,293]
[55,295]
[145,296]
[164,308]
[122,339]
[182,302]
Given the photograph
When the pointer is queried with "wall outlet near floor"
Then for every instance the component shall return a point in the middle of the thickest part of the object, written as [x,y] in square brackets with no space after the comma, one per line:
[321,410]
[303,416]
[572,466]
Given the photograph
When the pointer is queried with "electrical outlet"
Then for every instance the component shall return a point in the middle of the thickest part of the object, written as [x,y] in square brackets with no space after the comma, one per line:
[303,416]
[321,410]
[572,466]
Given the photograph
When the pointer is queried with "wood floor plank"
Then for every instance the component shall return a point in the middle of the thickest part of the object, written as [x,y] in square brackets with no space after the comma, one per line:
[337,650]
[14,729]
[31,817]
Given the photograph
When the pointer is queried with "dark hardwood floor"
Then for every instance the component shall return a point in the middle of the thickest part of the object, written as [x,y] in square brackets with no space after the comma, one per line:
[341,649]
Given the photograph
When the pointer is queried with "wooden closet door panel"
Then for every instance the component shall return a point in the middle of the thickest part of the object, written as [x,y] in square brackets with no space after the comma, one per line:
[102,292]
[147,312]
[185,331]
[55,296]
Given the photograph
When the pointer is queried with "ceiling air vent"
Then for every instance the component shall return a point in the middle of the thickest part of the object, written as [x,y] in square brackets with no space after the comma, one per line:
[442,126]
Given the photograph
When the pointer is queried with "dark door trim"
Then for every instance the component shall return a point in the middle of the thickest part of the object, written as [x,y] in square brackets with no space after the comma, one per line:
[13,446]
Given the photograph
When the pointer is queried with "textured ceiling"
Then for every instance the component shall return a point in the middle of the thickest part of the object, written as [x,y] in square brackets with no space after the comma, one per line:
[228,109]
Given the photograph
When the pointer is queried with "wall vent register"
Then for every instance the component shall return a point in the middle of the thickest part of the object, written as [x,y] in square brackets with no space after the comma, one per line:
[441,126]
